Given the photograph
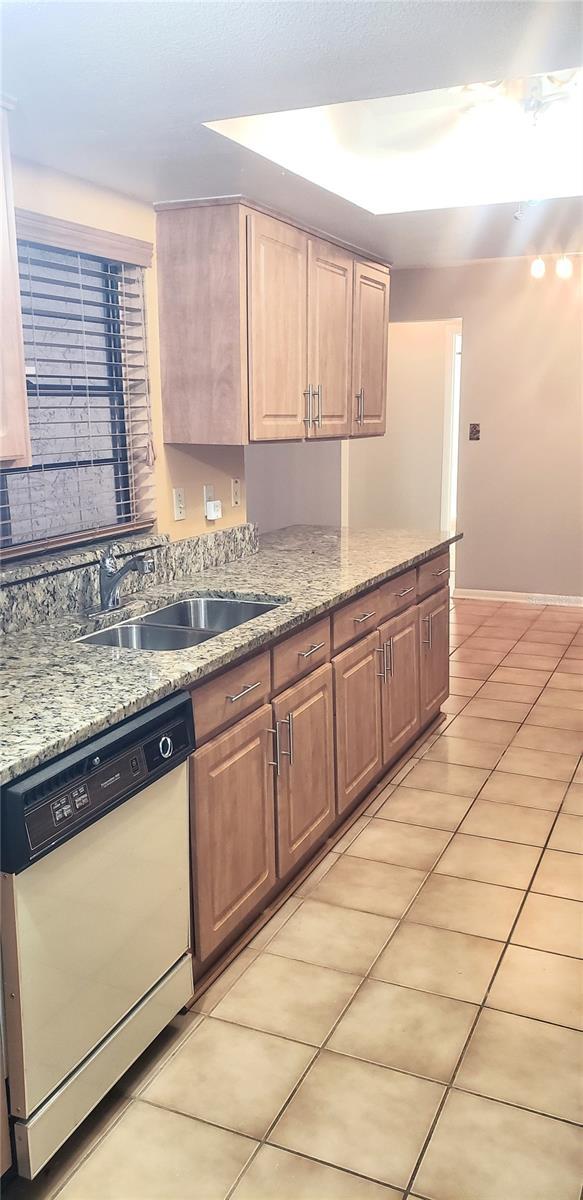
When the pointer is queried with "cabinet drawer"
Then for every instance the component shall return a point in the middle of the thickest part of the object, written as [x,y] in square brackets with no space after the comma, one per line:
[397,594]
[433,574]
[355,619]
[300,654]
[230,696]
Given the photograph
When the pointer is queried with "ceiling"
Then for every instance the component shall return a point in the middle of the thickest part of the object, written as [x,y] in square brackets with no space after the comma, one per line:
[117,93]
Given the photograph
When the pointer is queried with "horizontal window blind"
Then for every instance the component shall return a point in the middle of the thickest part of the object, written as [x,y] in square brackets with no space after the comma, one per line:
[89,411]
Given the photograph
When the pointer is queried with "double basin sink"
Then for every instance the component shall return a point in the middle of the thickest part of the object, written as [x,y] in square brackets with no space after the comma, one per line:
[180,625]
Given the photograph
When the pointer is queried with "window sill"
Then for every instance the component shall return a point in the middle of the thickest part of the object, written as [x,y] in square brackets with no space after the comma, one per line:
[41,565]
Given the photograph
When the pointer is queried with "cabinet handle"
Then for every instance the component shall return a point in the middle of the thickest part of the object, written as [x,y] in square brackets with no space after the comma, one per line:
[289,753]
[428,642]
[312,650]
[249,687]
[406,592]
[364,617]
[445,571]
[308,397]
[382,674]
[388,646]
[317,393]
[276,762]
[360,406]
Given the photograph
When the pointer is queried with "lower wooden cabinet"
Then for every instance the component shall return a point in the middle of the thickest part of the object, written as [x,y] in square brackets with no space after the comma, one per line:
[357,718]
[305,787]
[400,683]
[433,615]
[233,834]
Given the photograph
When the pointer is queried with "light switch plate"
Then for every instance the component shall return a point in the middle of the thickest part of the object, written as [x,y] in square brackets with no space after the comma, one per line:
[235,493]
[179,504]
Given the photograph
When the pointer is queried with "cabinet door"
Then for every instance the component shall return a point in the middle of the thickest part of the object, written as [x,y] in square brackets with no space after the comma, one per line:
[233,836]
[329,339]
[305,785]
[277,328]
[370,347]
[400,687]
[357,718]
[14,432]
[434,653]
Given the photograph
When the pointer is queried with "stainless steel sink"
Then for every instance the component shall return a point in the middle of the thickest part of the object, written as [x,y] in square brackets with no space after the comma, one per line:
[147,637]
[208,613]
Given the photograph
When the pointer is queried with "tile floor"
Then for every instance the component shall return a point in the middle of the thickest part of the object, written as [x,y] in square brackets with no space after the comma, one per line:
[408,1024]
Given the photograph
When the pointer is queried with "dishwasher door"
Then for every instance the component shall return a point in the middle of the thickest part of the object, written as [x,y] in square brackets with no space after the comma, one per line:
[89,930]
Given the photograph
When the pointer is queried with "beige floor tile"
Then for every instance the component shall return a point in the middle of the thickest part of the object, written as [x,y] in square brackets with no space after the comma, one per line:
[557,624]
[489,861]
[508,822]
[351,833]
[465,752]
[294,999]
[209,999]
[566,681]
[147,1066]
[402,845]
[497,710]
[380,800]
[567,834]
[482,909]
[483,1150]
[405,1029]
[558,741]
[440,961]
[453,705]
[360,1116]
[553,697]
[578,776]
[447,777]
[571,666]
[231,1076]
[343,938]
[297,1178]
[549,637]
[525,1062]
[478,642]
[509,691]
[436,810]
[464,687]
[269,930]
[520,675]
[527,646]
[469,670]
[311,880]
[531,662]
[543,764]
[488,657]
[375,887]
[536,984]
[574,799]
[560,874]
[481,729]
[150,1150]
[550,923]
[574,653]
[555,718]
[398,773]
[523,790]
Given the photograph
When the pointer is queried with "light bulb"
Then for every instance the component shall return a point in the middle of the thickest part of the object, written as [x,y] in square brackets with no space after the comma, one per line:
[564,267]
[537,267]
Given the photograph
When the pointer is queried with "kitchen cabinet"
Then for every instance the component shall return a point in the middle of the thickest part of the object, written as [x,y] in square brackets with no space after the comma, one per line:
[399,683]
[233,834]
[305,785]
[357,718]
[433,617]
[370,349]
[267,331]
[14,427]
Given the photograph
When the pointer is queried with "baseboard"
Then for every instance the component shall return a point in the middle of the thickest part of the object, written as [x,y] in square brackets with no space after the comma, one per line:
[516,597]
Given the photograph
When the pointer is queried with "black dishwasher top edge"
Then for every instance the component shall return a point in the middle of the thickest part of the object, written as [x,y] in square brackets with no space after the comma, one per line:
[55,802]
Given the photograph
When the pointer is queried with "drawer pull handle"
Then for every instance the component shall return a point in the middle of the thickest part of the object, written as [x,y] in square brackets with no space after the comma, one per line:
[312,650]
[249,687]
[382,674]
[445,571]
[389,654]
[289,753]
[428,641]
[364,617]
[406,592]
[276,762]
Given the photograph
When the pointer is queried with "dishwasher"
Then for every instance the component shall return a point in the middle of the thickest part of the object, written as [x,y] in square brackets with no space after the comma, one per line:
[96,943]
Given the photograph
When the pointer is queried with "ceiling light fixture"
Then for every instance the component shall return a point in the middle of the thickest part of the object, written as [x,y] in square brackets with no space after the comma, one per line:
[564,267]
[537,268]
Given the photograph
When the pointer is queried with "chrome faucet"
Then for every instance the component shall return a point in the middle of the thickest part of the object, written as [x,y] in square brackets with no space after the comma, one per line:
[110,576]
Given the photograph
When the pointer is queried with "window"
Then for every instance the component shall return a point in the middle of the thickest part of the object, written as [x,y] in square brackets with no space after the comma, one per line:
[87,388]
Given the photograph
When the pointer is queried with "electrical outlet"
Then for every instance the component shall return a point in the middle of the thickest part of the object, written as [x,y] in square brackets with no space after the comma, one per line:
[236,493]
[179,504]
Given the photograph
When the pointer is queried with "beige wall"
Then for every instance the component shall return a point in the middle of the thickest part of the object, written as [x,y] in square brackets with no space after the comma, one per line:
[293,483]
[520,491]
[58,195]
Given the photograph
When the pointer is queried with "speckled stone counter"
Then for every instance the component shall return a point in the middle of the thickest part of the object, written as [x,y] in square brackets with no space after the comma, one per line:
[55,692]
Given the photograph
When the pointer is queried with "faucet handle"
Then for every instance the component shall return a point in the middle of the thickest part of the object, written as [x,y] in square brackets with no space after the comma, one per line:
[107,559]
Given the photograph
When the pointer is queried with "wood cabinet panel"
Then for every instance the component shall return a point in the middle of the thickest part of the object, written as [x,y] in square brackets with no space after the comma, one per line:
[300,654]
[277,305]
[329,339]
[397,594]
[433,574]
[433,616]
[305,787]
[355,619]
[14,429]
[400,687]
[229,696]
[233,834]
[357,719]
[370,348]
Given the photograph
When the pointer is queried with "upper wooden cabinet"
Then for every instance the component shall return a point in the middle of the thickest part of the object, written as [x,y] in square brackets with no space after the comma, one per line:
[370,348]
[14,430]
[267,333]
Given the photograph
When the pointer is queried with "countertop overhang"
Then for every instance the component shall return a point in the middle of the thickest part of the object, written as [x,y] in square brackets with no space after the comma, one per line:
[56,692]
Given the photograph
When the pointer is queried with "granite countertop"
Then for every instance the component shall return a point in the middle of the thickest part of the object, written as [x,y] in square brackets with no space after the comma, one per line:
[56,692]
